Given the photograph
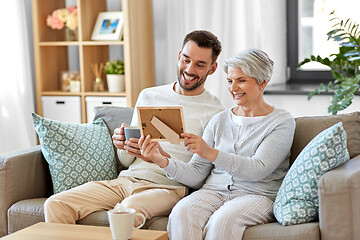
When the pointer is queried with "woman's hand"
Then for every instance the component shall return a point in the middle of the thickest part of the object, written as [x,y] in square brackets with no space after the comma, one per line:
[135,151]
[153,151]
[197,145]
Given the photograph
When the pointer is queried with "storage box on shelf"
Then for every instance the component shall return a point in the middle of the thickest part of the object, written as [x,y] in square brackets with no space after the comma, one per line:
[52,51]
[92,102]
[62,108]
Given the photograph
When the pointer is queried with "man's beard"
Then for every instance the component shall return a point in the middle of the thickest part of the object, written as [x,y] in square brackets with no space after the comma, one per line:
[198,84]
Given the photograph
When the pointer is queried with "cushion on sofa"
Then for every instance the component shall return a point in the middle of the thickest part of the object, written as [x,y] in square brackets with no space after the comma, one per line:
[297,199]
[76,153]
[308,127]
[113,117]
[274,231]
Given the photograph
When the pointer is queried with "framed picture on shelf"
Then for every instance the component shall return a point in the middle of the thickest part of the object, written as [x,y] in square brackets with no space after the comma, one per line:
[108,26]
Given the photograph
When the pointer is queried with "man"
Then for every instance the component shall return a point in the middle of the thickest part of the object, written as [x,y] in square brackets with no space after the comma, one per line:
[144,186]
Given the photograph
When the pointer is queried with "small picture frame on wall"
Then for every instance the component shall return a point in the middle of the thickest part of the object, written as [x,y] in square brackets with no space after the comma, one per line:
[108,26]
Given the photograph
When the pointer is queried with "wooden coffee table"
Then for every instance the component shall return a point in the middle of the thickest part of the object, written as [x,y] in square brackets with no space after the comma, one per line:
[57,231]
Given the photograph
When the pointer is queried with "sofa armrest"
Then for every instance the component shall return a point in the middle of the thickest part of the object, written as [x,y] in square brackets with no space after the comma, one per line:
[24,174]
[339,198]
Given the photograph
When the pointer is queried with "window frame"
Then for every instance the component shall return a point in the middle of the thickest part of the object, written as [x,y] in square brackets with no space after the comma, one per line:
[297,76]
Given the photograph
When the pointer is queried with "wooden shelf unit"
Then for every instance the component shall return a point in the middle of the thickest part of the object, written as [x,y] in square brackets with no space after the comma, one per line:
[51,50]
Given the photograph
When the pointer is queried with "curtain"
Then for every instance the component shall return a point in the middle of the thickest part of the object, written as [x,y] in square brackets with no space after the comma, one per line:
[16,79]
[239,25]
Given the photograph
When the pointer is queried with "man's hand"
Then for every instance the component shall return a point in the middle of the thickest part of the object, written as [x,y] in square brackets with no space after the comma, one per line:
[197,145]
[119,137]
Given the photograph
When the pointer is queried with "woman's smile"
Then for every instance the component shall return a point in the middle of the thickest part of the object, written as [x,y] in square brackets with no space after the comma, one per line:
[238,95]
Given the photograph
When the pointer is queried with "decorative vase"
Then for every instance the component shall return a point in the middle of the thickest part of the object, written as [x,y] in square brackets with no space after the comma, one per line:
[71,35]
[98,85]
[116,82]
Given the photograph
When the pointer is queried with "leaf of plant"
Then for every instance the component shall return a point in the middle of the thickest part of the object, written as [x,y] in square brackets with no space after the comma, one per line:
[322,86]
[310,95]
[354,58]
[339,37]
[348,44]
[356,30]
[332,32]
[352,53]
[346,22]
[352,29]
[306,60]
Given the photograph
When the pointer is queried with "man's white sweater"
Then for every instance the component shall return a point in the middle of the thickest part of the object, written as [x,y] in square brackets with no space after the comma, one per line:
[197,111]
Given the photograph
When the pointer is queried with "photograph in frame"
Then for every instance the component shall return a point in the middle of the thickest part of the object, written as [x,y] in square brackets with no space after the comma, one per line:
[108,26]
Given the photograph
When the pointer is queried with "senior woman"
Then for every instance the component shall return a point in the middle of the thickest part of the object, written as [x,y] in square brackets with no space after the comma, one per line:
[240,161]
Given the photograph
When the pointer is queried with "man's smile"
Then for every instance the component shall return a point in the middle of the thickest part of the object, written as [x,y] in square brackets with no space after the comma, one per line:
[188,78]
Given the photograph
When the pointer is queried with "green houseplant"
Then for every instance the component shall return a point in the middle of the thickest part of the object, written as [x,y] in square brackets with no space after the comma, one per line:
[344,65]
[115,71]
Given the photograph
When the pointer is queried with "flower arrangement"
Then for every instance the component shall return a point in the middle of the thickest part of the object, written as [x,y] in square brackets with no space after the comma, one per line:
[63,17]
[114,67]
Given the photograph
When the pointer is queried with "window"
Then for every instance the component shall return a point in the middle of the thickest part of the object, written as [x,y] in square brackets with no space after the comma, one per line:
[308,24]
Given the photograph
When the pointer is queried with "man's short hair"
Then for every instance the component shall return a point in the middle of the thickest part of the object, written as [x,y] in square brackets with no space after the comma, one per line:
[204,39]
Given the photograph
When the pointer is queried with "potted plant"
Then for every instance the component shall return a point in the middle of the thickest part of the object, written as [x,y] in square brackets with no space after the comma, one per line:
[344,65]
[115,75]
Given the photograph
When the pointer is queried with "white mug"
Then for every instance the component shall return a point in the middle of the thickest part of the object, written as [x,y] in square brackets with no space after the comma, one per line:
[122,223]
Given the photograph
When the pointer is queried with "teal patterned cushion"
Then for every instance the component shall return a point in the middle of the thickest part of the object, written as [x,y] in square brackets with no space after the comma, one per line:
[76,153]
[297,199]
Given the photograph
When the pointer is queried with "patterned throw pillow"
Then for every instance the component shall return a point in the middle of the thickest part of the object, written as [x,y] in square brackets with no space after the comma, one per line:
[297,199]
[76,153]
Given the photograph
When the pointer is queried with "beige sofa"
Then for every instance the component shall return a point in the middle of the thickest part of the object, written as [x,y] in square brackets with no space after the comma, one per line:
[25,184]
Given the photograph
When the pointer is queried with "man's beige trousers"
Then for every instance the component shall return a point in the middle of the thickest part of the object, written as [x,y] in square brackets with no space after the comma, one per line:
[145,197]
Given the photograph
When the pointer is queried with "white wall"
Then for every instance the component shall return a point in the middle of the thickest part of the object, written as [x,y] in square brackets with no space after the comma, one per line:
[299,106]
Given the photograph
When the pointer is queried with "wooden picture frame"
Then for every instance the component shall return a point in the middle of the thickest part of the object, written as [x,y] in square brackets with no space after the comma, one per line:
[108,26]
[162,123]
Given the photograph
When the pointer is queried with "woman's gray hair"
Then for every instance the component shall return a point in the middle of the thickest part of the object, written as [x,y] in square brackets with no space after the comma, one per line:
[253,63]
